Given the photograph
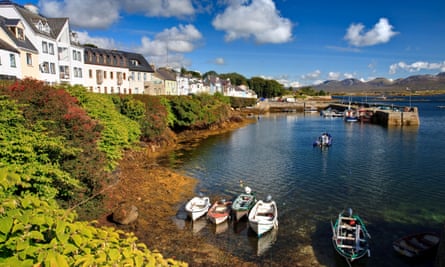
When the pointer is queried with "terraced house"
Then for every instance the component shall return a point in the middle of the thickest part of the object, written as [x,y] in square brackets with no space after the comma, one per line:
[46,49]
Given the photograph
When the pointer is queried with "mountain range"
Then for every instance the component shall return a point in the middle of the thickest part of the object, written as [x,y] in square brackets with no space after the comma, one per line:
[383,85]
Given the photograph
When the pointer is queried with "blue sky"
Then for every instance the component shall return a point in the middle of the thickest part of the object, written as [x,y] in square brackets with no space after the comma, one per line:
[294,42]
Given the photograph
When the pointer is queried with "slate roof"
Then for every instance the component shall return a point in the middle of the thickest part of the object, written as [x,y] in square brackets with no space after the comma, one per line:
[167,74]
[23,44]
[141,63]
[5,46]
[55,24]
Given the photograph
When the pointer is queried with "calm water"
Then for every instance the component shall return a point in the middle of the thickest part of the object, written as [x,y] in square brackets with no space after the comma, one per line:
[393,177]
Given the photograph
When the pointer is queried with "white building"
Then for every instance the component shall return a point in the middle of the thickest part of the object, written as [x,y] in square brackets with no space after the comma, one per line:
[106,71]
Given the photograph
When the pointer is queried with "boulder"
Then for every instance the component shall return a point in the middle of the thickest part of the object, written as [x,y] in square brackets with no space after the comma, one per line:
[125,213]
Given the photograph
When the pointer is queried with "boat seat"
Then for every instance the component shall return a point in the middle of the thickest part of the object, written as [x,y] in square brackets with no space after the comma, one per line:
[346,237]
[345,246]
[347,226]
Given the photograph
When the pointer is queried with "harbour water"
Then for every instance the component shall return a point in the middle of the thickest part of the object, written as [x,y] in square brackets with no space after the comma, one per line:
[394,178]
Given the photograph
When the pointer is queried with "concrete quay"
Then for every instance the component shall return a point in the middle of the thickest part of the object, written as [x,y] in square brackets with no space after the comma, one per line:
[388,115]
[385,115]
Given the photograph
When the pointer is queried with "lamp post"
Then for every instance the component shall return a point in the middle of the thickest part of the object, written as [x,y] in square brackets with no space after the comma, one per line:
[409,96]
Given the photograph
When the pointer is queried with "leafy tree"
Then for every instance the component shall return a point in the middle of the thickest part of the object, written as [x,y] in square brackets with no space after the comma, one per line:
[235,78]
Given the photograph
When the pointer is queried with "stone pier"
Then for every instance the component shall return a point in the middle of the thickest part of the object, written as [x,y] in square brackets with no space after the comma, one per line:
[406,117]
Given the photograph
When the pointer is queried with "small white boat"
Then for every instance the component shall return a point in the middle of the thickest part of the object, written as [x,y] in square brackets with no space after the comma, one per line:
[197,207]
[243,203]
[220,211]
[263,217]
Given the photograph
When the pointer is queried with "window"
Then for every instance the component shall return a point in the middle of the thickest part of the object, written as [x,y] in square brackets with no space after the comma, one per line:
[111,75]
[145,76]
[51,48]
[20,34]
[29,59]
[139,76]
[79,72]
[105,74]
[45,47]
[79,56]
[12,59]
[52,67]
[74,55]
[90,73]
[44,67]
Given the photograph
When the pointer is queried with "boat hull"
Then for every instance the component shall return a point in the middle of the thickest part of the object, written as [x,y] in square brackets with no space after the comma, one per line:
[350,237]
[242,205]
[219,212]
[197,207]
[263,217]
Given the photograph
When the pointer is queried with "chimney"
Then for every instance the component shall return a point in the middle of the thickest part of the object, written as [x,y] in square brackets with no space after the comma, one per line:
[32,8]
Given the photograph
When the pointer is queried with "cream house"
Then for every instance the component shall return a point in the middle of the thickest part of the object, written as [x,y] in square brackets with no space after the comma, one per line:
[17,50]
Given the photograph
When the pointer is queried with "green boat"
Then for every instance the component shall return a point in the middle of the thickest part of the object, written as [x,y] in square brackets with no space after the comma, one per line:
[350,236]
[243,203]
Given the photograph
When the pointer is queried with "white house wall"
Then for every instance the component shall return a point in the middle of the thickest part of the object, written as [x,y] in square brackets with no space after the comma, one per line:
[108,85]
[5,63]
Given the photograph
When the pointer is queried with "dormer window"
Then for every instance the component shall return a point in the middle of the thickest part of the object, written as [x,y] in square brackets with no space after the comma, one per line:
[43,27]
[134,62]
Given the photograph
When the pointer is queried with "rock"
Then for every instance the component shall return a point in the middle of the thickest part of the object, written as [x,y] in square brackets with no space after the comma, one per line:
[125,213]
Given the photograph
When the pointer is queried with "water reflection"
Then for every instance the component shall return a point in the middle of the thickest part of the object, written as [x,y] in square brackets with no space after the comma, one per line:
[265,242]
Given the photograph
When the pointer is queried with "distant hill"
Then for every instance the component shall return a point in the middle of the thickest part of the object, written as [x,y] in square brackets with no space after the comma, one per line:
[383,85]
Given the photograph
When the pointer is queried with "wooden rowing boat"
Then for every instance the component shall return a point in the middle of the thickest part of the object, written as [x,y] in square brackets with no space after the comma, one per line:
[350,237]
[243,203]
[197,207]
[416,245]
[220,211]
[263,217]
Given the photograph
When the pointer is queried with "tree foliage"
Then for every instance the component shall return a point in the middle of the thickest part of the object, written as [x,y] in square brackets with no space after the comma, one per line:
[34,231]
[197,112]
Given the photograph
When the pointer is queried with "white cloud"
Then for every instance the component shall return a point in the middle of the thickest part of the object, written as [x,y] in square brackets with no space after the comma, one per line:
[334,75]
[103,13]
[101,42]
[381,33]
[257,18]
[417,66]
[312,76]
[219,61]
[168,46]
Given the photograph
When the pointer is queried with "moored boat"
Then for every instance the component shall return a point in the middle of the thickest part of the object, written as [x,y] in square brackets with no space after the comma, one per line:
[243,203]
[416,245]
[197,207]
[350,236]
[324,140]
[263,217]
[220,211]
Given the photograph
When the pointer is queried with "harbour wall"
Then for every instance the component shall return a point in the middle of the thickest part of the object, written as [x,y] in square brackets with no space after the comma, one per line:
[391,116]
